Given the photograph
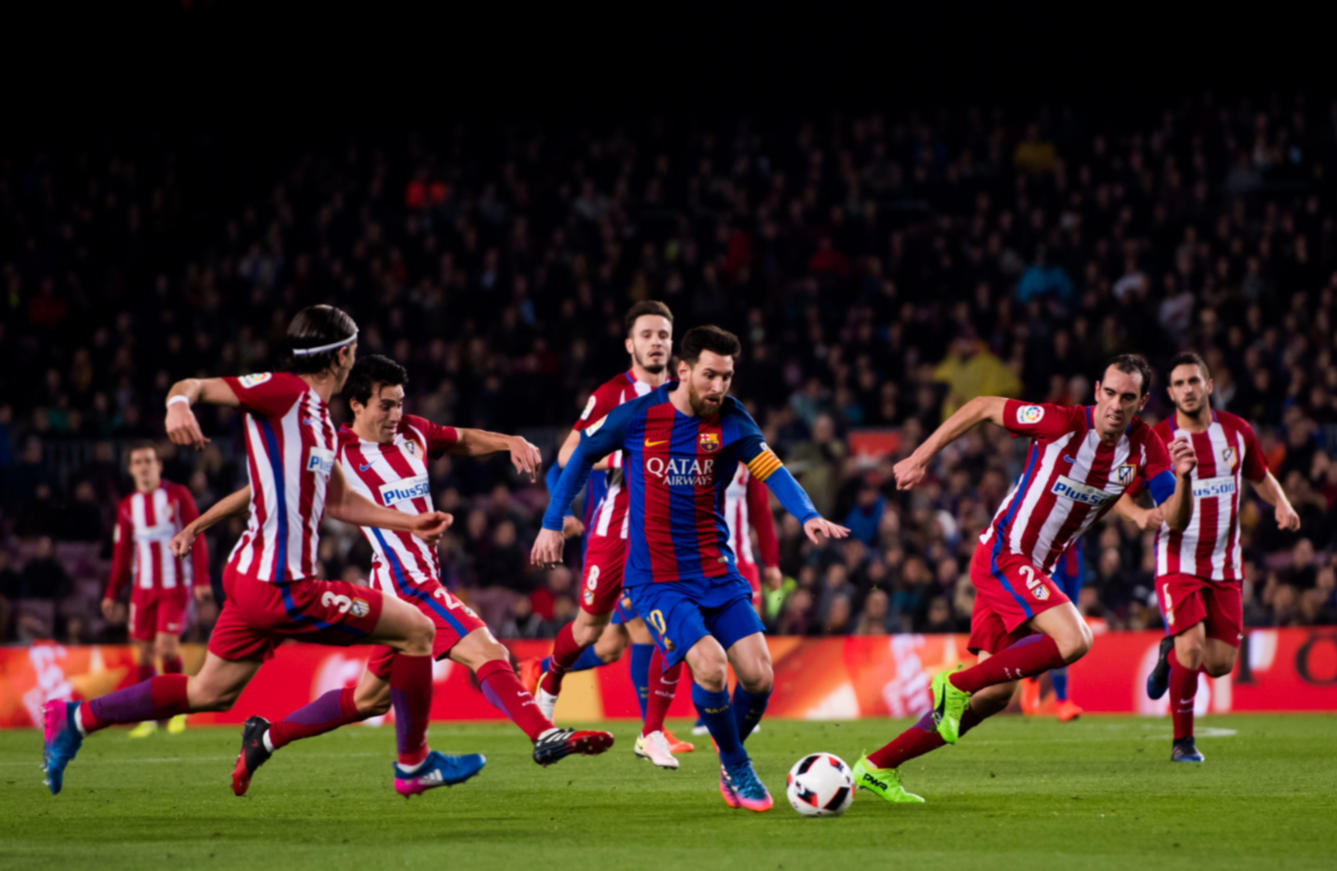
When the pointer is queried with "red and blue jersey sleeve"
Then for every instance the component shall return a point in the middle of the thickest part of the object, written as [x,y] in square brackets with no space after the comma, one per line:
[765,466]
[1041,421]
[437,439]
[267,394]
[598,440]
[1157,471]
[602,401]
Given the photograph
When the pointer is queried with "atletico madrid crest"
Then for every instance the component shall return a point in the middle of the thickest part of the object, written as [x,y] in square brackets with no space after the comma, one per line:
[1229,458]
[412,447]
[1125,473]
[710,442]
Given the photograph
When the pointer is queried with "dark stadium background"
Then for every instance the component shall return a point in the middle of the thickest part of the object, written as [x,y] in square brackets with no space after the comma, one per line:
[163,173]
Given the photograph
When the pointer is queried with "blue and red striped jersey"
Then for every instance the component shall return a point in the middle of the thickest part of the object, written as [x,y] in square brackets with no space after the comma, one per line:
[677,468]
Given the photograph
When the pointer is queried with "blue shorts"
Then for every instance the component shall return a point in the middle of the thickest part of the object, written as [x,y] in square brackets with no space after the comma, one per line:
[623,612]
[681,613]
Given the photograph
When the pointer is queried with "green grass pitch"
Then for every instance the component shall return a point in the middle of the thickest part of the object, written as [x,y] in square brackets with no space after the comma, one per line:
[1019,793]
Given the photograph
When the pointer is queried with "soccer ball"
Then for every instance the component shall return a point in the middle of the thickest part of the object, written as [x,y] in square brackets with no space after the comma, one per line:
[820,785]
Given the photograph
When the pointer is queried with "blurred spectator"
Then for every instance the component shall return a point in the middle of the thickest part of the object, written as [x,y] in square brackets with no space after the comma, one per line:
[43,576]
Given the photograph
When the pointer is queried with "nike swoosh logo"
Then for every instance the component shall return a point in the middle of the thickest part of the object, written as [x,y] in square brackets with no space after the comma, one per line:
[650,444]
[364,467]
[1068,459]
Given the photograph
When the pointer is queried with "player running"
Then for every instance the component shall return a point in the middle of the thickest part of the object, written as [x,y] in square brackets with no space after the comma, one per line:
[272,593]
[1067,576]
[1199,568]
[681,574]
[384,458]
[1081,460]
[606,622]
[159,584]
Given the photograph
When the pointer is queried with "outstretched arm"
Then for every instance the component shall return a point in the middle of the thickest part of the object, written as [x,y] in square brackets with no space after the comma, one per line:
[480,442]
[232,504]
[344,503]
[182,427]
[910,471]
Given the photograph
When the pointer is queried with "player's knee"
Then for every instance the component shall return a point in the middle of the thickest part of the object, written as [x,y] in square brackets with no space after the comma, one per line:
[1076,644]
[213,700]
[586,634]
[420,635]
[759,678]
[373,706]
[711,673]
[1189,653]
[1218,668]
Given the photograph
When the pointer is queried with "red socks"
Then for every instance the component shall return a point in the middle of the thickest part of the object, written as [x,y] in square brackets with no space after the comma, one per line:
[411,695]
[1031,655]
[1183,692]
[160,698]
[565,652]
[663,687]
[504,690]
[145,672]
[172,665]
[327,713]
[917,740]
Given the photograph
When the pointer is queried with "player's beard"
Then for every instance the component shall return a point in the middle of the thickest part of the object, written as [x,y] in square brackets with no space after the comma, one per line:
[1196,413]
[700,407]
[652,368]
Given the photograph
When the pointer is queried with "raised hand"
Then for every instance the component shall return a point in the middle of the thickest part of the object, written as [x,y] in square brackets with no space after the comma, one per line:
[526,458]
[820,526]
[909,472]
[182,427]
[430,527]
[1182,456]
[547,552]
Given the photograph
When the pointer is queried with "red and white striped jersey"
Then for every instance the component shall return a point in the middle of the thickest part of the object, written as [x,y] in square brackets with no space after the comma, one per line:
[1071,480]
[394,475]
[1210,546]
[290,447]
[145,523]
[610,517]
[747,506]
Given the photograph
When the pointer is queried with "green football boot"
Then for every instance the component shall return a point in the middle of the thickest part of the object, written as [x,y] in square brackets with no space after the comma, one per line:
[949,703]
[885,782]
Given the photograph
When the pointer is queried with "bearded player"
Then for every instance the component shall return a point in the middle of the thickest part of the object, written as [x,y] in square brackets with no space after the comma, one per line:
[680,445]
[160,584]
[1199,569]
[1081,461]
[606,622]
[272,591]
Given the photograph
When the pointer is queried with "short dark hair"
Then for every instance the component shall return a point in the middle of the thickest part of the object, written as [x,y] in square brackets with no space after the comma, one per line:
[708,338]
[315,327]
[141,445]
[643,308]
[369,371]
[1190,358]
[1132,364]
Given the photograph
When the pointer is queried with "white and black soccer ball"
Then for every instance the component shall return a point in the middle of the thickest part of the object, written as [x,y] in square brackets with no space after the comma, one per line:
[820,785]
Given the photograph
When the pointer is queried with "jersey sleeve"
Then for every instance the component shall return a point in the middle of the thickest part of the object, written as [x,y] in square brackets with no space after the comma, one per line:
[199,550]
[1255,464]
[598,440]
[601,404]
[122,552]
[439,438]
[766,467]
[266,394]
[1042,421]
[1157,470]
[759,513]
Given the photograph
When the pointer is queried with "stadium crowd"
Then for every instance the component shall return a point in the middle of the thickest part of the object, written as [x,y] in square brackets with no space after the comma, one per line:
[880,270]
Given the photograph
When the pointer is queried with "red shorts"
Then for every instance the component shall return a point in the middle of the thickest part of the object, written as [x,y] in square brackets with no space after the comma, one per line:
[1009,591]
[752,574]
[1189,599]
[605,557]
[452,618]
[258,615]
[157,611]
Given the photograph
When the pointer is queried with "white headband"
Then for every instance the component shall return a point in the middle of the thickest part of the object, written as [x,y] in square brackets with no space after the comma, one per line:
[305,352]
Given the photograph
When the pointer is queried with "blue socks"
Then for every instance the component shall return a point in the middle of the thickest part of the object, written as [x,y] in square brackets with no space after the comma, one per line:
[747,710]
[640,672]
[718,715]
[1059,678]
[588,659]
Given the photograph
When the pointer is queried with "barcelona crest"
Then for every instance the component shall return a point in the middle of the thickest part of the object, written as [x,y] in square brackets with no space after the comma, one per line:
[710,442]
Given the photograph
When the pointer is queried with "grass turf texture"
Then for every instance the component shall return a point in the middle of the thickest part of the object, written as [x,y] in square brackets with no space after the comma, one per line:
[1097,793]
